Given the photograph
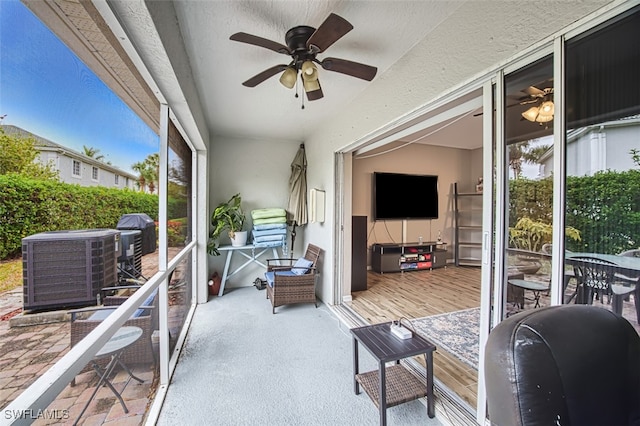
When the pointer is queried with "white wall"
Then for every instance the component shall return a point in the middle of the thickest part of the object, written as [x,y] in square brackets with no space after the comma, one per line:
[258,170]
[453,53]
[449,164]
[431,69]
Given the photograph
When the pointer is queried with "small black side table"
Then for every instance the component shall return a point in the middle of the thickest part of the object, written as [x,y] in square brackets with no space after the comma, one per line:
[395,385]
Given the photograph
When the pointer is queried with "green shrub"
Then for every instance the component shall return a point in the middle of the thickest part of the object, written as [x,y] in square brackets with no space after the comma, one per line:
[177,232]
[29,206]
[603,208]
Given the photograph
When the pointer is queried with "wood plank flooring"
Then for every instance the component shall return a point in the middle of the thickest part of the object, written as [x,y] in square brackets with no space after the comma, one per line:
[418,294]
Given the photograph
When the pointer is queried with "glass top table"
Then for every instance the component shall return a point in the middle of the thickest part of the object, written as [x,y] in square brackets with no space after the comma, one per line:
[114,348]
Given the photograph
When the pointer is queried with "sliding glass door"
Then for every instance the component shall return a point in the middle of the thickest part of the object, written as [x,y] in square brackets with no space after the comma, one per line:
[528,115]
[602,143]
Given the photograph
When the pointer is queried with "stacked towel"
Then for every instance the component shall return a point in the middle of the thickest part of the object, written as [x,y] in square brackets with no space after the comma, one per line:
[269,227]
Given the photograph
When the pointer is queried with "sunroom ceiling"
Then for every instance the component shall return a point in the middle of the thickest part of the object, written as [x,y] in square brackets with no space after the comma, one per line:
[190,62]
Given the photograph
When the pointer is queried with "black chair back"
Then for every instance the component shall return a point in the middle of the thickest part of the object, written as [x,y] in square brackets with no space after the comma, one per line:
[563,365]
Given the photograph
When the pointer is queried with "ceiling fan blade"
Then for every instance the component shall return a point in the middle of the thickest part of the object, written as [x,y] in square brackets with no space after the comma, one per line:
[354,69]
[315,95]
[261,42]
[534,91]
[259,78]
[477,114]
[529,101]
[330,31]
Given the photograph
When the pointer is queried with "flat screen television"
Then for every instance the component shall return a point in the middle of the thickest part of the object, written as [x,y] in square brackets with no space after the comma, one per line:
[398,196]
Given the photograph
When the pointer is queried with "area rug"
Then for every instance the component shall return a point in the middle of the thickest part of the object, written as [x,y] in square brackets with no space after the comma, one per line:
[455,332]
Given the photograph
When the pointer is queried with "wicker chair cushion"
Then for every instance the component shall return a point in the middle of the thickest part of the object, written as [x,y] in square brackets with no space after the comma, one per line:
[270,276]
[104,313]
[301,266]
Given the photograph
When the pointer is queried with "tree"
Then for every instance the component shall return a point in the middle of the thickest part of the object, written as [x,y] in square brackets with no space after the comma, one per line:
[153,162]
[140,168]
[91,153]
[516,157]
[148,171]
[523,152]
[20,156]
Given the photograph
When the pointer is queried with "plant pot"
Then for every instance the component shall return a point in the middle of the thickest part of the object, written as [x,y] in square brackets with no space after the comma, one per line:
[529,268]
[240,239]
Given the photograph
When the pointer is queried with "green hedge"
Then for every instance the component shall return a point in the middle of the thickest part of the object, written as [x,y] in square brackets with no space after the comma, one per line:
[605,208]
[30,206]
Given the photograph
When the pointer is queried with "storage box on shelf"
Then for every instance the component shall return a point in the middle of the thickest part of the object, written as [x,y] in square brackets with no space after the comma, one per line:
[408,256]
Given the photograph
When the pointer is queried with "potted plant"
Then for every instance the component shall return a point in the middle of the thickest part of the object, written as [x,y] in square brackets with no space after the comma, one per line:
[227,216]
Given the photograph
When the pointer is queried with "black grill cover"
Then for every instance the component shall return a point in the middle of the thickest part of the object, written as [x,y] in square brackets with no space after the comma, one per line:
[141,222]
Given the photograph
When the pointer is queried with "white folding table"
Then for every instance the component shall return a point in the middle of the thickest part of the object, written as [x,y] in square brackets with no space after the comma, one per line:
[250,252]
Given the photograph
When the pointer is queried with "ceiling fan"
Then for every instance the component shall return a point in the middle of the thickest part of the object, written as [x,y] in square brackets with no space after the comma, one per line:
[303,44]
[543,110]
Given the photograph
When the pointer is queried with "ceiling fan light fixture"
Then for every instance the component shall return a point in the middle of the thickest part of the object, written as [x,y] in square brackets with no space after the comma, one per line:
[531,114]
[310,85]
[543,118]
[547,108]
[309,71]
[288,77]
[540,114]
[303,43]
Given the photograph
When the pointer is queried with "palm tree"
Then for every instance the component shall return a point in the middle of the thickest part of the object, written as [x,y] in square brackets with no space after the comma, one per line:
[516,151]
[148,171]
[153,170]
[140,167]
[91,153]
[523,152]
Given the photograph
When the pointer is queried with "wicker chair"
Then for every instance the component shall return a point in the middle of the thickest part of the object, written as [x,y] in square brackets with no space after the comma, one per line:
[145,317]
[287,284]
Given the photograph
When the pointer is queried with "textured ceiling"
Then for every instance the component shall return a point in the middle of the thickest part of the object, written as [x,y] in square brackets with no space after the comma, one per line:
[421,48]
[383,32]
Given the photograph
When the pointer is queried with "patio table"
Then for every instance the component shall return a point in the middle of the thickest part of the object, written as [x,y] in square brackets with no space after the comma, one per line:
[121,340]
[535,287]
[622,264]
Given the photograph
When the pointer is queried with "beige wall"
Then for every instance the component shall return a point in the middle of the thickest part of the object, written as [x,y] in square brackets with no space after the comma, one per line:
[259,170]
[449,164]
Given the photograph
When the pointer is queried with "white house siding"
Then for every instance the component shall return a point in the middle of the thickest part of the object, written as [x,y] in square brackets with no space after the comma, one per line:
[61,159]
[606,147]
[64,165]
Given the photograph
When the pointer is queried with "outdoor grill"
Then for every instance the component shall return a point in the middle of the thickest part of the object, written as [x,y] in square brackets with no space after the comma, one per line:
[140,222]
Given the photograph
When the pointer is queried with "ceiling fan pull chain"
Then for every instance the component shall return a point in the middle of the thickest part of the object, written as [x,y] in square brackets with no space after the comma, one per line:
[297,94]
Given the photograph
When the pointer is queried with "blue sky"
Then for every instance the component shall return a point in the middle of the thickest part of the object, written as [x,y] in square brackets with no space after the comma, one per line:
[46,90]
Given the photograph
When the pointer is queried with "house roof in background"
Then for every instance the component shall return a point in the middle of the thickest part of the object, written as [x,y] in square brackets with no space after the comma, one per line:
[46,145]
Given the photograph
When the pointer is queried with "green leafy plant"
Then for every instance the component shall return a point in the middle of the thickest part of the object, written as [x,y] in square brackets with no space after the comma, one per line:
[531,235]
[227,216]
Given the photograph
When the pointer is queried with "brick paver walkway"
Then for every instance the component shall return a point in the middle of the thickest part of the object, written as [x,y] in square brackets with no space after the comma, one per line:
[27,352]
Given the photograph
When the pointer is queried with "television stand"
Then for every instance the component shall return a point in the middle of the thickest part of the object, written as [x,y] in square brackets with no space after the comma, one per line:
[408,256]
